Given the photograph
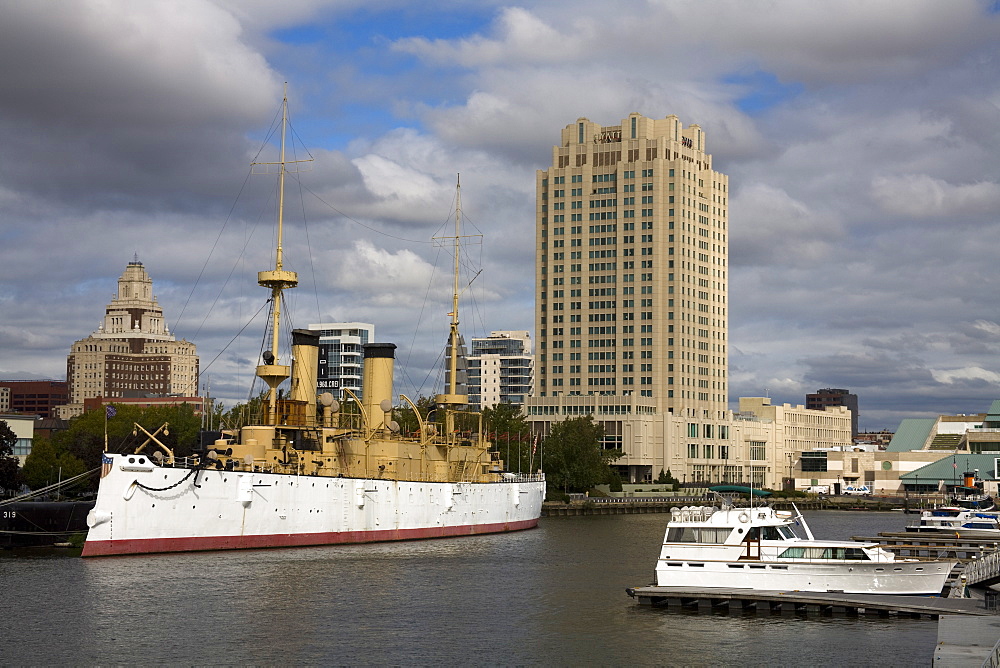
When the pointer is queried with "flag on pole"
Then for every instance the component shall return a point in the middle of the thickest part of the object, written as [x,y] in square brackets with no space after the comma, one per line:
[109,411]
[534,446]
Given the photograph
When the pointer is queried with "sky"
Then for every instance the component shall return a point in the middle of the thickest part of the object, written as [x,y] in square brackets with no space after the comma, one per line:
[861,140]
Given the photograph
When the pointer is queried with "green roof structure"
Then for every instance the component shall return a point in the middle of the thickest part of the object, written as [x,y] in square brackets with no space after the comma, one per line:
[951,468]
[911,435]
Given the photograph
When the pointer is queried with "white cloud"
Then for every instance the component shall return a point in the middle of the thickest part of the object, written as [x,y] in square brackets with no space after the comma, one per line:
[922,196]
[951,376]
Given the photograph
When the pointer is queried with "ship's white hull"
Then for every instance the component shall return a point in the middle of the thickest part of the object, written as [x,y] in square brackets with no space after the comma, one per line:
[900,577]
[224,510]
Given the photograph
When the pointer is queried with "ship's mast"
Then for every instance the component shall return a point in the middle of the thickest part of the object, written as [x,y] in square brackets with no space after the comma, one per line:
[452,400]
[277,280]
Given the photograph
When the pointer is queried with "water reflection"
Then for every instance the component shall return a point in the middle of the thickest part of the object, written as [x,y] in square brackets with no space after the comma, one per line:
[552,596]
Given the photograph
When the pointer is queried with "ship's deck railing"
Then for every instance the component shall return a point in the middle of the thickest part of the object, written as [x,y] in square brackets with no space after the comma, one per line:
[523,477]
[237,466]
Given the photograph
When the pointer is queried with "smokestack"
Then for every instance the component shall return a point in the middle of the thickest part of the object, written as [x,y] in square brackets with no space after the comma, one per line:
[376,382]
[305,356]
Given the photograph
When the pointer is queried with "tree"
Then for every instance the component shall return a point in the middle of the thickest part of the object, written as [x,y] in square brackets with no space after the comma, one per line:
[403,414]
[511,436]
[85,437]
[665,478]
[45,465]
[10,474]
[574,460]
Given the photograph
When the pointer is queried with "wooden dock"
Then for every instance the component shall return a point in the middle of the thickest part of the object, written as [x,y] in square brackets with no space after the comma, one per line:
[802,602]
[931,546]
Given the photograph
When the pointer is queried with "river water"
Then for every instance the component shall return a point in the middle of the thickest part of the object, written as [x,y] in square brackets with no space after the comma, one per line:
[551,596]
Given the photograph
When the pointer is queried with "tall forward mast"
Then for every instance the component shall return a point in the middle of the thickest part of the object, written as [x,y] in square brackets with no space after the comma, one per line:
[277,280]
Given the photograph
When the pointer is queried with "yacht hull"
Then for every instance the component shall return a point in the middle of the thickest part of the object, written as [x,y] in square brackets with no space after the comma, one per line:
[901,577]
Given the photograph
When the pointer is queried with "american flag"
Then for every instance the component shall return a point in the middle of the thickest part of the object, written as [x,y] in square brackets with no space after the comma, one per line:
[105,464]
[110,412]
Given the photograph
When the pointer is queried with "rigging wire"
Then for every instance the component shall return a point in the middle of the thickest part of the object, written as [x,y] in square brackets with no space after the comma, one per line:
[226,347]
[359,223]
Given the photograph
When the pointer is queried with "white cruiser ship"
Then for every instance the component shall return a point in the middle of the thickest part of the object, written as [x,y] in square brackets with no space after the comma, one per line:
[757,548]
[312,473]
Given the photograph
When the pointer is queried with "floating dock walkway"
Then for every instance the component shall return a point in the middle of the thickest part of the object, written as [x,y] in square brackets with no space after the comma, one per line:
[803,602]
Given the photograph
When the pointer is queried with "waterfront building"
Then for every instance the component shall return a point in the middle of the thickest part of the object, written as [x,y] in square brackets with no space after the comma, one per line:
[924,455]
[38,397]
[759,445]
[631,311]
[132,353]
[820,399]
[341,356]
[500,369]
[631,272]
[23,427]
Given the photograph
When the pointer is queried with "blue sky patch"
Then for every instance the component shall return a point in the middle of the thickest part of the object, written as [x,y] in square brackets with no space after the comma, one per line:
[763,91]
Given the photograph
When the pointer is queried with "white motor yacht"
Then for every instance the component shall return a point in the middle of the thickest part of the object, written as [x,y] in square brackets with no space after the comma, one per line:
[958,523]
[758,548]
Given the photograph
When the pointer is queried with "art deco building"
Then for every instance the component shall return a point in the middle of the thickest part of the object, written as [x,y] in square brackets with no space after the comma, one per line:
[500,369]
[632,276]
[132,353]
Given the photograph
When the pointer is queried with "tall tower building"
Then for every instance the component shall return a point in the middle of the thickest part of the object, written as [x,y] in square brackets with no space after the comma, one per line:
[631,272]
[132,354]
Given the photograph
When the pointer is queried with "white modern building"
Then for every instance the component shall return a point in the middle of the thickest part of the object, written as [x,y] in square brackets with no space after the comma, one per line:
[341,355]
[500,368]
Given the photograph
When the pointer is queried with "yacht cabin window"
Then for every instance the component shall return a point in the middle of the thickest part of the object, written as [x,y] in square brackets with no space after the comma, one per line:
[843,553]
[698,535]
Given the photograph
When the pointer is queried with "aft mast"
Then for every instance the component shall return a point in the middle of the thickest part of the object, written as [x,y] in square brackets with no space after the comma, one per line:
[451,400]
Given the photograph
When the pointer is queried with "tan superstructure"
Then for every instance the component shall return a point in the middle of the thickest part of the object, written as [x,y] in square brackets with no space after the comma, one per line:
[355,442]
[632,276]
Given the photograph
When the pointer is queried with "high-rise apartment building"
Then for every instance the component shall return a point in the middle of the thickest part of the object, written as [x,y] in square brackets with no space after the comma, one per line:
[500,369]
[631,312]
[341,356]
[631,272]
[132,354]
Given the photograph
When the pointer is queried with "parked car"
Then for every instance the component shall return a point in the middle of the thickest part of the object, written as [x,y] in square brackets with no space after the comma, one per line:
[818,489]
[860,490]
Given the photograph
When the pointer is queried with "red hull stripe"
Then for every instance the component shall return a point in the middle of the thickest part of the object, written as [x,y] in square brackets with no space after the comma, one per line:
[193,544]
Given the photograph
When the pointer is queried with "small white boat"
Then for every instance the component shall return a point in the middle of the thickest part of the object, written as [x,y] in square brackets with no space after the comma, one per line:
[757,548]
[958,522]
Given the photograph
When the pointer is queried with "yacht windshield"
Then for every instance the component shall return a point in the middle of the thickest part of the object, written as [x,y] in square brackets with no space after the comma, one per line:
[787,532]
